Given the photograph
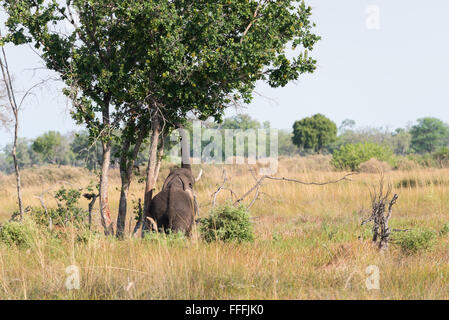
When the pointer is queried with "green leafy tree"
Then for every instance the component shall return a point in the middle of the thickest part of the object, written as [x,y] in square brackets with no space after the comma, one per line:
[400,141]
[91,57]
[23,155]
[87,152]
[441,156]
[428,135]
[188,57]
[314,132]
[240,122]
[53,148]
[347,124]
[285,144]
[4,165]
[350,156]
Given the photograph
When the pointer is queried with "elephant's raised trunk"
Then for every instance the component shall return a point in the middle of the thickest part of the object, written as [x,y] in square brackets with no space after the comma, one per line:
[185,149]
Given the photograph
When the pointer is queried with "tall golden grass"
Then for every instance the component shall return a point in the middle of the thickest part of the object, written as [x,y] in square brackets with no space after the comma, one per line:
[309,242]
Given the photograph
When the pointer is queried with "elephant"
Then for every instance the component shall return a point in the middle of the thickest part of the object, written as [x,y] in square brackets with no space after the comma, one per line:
[174,207]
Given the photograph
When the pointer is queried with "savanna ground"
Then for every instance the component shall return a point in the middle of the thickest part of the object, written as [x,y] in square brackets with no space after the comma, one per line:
[309,242]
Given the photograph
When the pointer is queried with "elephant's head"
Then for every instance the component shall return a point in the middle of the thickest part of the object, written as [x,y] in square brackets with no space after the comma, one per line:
[180,178]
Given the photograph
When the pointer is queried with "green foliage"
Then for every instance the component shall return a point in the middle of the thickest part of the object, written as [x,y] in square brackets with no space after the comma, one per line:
[227,223]
[413,241]
[314,132]
[441,156]
[17,233]
[188,56]
[286,147]
[241,122]
[26,157]
[444,230]
[86,150]
[377,135]
[423,160]
[400,141]
[68,207]
[67,212]
[350,156]
[53,148]
[429,134]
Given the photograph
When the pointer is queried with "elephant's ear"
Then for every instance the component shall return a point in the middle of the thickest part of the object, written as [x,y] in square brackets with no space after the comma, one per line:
[168,181]
[185,183]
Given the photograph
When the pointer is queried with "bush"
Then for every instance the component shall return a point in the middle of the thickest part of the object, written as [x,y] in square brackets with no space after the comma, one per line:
[227,223]
[405,164]
[444,230]
[17,233]
[412,241]
[441,156]
[350,156]
[374,166]
[424,160]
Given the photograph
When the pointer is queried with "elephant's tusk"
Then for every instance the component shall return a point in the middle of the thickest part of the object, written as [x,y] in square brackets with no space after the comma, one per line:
[199,176]
[153,223]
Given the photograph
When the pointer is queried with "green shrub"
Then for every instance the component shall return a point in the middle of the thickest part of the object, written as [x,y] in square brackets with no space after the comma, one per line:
[444,230]
[441,156]
[68,210]
[227,223]
[415,240]
[350,156]
[17,233]
[68,207]
[424,160]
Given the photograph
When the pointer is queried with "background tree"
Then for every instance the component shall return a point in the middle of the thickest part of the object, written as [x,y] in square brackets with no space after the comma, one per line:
[86,152]
[350,156]
[347,124]
[314,132]
[13,105]
[428,135]
[400,141]
[24,154]
[285,144]
[52,147]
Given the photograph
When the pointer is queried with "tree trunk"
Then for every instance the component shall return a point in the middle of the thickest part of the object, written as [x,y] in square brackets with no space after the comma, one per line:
[126,169]
[105,210]
[15,110]
[122,208]
[16,166]
[152,170]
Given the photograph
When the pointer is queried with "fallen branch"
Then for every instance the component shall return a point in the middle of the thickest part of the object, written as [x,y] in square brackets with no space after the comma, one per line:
[259,182]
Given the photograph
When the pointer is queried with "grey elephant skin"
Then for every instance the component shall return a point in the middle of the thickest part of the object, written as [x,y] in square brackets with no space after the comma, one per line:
[173,208]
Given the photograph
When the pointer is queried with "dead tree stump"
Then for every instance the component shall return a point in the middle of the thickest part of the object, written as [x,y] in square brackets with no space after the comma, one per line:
[379,215]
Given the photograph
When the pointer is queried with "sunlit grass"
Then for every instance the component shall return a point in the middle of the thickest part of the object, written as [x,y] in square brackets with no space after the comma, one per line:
[309,242]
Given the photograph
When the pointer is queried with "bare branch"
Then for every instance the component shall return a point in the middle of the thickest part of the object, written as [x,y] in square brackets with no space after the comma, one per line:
[259,182]
[215,194]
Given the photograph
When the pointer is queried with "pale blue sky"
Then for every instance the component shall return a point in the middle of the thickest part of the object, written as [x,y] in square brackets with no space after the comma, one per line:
[390,76]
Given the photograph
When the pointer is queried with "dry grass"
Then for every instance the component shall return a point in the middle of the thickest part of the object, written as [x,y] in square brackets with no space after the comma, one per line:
[309,243]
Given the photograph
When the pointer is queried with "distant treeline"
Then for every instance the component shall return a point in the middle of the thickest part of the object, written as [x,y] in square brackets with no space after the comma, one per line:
[426,142]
